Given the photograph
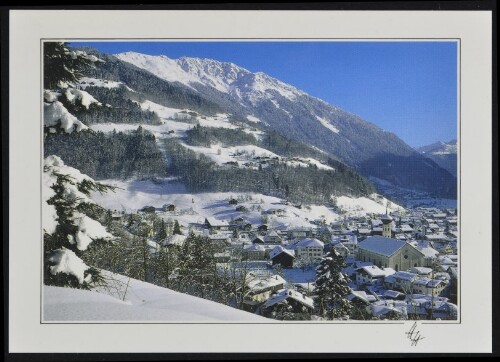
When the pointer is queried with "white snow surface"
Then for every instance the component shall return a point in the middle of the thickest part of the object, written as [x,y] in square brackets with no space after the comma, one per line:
[326,123]
[65,261]
[142,302]
[133,195]
[55,112]
[362,205]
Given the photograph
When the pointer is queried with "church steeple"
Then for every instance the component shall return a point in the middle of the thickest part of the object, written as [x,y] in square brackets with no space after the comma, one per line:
[387,225]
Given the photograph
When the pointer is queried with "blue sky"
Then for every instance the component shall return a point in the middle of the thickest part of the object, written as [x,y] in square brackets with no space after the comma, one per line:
[409,88]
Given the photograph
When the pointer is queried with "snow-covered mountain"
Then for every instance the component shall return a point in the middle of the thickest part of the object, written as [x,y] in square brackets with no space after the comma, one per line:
[439,148]
[291,112]
[443,153]
[225,77]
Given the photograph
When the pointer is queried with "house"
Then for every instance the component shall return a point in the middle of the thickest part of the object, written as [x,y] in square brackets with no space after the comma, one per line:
[401,281]
[272,237]
[262,228]
[148,210]
[253,252]
[284,257]
[429,286]
[216,225]
[309,248]
[233,202]
[168,207]
[300,233]
[258,288]
[341,249]
[372,275]
[258,240]
[390,253]
[241,208]
[219,239]
[421,271]
[296,302]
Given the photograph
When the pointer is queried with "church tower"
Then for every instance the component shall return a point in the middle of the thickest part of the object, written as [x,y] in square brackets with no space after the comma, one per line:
[387,225]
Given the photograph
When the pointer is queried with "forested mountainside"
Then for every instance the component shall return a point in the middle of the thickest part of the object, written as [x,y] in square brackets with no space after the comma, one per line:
[291,112]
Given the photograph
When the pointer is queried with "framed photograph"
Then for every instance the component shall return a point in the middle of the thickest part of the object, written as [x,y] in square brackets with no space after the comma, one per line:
[250,181]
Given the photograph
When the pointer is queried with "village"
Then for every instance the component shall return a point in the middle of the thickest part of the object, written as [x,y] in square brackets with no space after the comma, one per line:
[400,264]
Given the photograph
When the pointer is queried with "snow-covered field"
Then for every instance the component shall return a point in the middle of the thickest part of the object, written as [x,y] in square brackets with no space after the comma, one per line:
[133,195]
[362,205]
[143,302]
[194,208]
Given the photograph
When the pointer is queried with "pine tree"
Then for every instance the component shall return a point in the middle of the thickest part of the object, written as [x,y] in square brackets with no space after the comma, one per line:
[63,65]
[70,225]
[331,287]
[177,228]
[162,232]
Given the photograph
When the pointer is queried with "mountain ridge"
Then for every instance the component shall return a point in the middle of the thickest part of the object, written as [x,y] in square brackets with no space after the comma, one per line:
[290,111]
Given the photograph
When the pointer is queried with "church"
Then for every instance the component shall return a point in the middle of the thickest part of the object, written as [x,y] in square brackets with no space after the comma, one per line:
[390,253]
[386,252]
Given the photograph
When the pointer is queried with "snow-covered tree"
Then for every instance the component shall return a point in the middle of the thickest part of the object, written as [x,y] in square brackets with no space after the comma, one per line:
[61,69]
[331,287]
[69,224]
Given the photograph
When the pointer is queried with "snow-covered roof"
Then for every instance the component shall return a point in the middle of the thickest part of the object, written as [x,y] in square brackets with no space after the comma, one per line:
[359,294]
[257,283]
[420,270]
[254,247]
[404,275]
[424,247]
[309,243]
[214,222]
[392,293]
[284,294]
[382,245]
[175,239]
[278,250]
[374,271]
[271,233]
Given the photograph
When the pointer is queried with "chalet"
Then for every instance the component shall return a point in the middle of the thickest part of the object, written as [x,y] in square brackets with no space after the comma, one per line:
[429,286]
[258,240]
[262,228]
[372,275]
[284,257]
[300,233]
[295,302]
[390,253]
[148,210]
[220,239]
[216,225]
[422,271]
[116,216]
[401,281]
[272,237]
[309,248]
[253,252]
[168,207]
[258,289]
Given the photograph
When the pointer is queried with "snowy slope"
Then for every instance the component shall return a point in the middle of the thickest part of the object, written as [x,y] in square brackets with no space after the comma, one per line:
[225,77]
[293,113]
[143,302]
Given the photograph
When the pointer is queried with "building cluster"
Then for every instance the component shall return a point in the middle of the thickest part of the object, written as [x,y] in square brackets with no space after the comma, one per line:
[403,264]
